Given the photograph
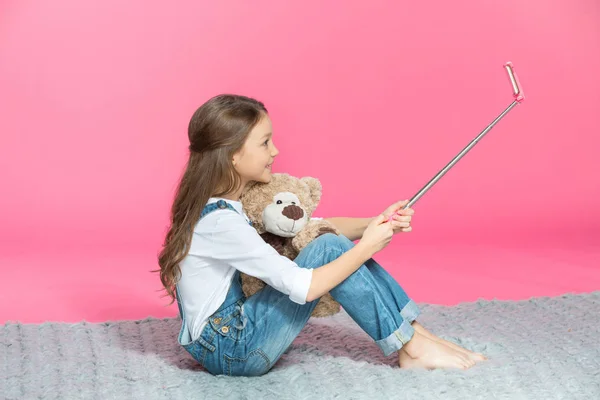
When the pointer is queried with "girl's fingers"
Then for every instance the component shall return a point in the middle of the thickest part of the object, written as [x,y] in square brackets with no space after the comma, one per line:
[401,220]
[406,211]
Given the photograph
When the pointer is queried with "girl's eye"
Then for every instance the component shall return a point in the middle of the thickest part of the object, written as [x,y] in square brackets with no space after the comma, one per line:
[266,142]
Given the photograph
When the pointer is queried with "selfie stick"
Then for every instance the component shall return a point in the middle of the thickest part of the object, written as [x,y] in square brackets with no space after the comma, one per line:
[518,98]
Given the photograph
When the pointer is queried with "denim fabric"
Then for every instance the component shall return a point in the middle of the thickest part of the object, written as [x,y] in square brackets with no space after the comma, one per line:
[246,336]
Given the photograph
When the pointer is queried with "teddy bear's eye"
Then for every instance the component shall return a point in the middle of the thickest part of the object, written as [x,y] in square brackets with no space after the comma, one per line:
[293,202]
[279,202]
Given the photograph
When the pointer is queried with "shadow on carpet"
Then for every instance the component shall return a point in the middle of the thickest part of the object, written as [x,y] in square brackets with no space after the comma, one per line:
[542,348]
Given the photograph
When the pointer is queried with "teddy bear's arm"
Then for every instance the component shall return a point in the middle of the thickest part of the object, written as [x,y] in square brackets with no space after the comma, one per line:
[312,230]
[277,242]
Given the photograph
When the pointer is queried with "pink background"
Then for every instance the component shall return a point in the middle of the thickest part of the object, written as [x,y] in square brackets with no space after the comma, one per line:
[373,98]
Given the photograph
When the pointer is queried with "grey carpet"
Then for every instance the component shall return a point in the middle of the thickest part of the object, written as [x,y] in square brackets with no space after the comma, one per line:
[543,348]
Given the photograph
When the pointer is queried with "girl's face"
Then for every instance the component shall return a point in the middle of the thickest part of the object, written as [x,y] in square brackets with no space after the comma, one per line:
[254,161]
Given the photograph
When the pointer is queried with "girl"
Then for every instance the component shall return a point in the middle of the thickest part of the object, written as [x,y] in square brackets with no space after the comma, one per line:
[211,241]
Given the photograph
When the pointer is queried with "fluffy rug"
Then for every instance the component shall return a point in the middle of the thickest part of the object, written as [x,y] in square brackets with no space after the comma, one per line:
[542,348]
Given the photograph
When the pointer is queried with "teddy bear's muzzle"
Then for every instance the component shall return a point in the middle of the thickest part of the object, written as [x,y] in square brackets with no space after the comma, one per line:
[293,212]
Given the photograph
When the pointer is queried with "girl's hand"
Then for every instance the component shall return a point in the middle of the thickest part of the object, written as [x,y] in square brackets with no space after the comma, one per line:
[402,218]
[377,235]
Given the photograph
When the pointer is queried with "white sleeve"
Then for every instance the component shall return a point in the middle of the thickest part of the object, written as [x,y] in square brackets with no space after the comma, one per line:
[238,244]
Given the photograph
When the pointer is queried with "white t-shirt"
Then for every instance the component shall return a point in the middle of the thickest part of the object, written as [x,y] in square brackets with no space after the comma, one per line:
[223,242]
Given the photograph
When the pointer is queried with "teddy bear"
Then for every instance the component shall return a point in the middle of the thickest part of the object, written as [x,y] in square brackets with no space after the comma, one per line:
[281,212]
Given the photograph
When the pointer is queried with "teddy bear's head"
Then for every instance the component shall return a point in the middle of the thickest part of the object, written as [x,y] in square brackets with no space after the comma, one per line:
[283,206]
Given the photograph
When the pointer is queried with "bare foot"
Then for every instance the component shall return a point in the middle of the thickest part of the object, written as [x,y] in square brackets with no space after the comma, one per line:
[422,352]
[472,355]
[405,361]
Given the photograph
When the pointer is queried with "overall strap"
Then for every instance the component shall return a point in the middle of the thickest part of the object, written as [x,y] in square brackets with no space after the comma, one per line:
[219,205]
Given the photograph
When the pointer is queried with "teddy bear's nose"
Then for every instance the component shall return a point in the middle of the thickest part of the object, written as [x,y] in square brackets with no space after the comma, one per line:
[293,212]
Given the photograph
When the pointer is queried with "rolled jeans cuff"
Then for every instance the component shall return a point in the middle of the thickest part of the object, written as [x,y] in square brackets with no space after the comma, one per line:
[397,339]
[410,312]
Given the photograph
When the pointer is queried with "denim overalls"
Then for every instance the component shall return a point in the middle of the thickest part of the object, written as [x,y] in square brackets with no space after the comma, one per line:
[230,310]
[246,336]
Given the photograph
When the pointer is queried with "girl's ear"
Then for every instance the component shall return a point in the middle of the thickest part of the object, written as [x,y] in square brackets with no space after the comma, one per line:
[316,190]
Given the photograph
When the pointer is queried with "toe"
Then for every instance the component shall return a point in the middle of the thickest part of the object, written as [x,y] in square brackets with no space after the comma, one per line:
[469,362]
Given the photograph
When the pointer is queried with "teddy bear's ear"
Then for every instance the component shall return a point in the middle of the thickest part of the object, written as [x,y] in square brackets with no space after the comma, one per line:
[316,190]
[249,186]
[254,198]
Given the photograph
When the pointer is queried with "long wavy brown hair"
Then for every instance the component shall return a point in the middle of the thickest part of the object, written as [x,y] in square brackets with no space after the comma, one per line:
[217,130]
